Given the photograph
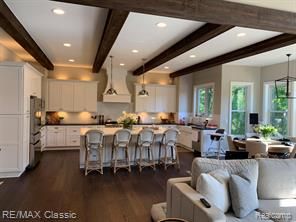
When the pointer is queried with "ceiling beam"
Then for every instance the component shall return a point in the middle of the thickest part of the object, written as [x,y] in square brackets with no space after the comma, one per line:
[196,38]
[251,50]
[115,21]
[213,11]
[10,24]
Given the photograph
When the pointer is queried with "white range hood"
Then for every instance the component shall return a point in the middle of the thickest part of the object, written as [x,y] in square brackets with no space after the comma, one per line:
[119,84]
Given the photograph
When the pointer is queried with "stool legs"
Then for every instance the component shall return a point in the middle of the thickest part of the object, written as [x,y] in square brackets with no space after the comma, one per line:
[149,161]
[125,163]
[167,160]
[94,165]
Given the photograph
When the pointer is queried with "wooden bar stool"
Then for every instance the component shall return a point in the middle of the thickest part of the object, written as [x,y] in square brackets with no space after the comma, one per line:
[121,141]
[144,143]
[168,143]
[94,155]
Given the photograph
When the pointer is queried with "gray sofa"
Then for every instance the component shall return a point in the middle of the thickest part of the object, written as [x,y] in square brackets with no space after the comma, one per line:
[276,189]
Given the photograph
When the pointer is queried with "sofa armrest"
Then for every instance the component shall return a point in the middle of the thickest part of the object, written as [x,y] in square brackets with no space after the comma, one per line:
[185,204]
[170,184]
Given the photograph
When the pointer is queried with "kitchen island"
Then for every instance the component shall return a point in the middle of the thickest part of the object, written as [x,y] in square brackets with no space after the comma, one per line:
[108,139]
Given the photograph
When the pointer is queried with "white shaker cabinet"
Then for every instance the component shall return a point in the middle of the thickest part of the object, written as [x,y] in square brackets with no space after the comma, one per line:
[145,103]
[55,136]
[72,96]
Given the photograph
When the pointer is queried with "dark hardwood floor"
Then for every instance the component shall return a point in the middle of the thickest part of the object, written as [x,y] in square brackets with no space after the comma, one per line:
[58,185]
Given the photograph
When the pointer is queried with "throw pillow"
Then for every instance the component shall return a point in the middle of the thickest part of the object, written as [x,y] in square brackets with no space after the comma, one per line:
[214,187]
[243,193]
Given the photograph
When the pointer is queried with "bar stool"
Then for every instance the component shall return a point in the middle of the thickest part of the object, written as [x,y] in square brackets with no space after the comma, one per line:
[168,142]
[94,155]
[145,142]
[217,137]
[121,141]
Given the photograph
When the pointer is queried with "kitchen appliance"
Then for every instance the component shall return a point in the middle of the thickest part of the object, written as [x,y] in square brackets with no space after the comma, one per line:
[35,134]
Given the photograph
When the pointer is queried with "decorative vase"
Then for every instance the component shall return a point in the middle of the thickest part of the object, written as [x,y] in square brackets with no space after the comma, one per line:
[128,126]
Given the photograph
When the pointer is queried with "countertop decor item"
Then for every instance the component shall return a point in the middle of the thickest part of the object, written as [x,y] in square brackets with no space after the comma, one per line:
[265,130]
[127,120]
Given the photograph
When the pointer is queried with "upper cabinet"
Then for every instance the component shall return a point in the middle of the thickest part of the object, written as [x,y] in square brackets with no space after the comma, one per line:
[72,96]
[18,81]
[162,98]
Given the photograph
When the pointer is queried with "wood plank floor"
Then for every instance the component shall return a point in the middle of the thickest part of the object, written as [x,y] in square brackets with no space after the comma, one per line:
[58,185]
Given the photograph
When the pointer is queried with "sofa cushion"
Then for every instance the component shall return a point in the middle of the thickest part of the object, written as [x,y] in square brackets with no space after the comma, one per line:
[279,210]
[214,187]
[277,178]
[204,165]
[243,193]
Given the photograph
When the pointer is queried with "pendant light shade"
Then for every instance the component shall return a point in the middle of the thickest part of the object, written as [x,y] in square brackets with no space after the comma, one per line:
[111,91]
[285,84]
[143,92]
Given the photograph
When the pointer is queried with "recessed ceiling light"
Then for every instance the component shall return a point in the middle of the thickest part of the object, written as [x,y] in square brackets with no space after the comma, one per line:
[67,44]
[122,64]
[166,67]
[161,25]
[58,11]
[192,56]
[71,60]
[242,34]
[135,51]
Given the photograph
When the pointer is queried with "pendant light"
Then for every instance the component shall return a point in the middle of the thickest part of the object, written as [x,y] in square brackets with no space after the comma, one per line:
[111,91]
[143,91]
[289,84]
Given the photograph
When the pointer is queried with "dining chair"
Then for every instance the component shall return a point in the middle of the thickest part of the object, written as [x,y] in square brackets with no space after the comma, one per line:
[256,147]
[144,144]
[231,145]
[217,138]
[94,151]
[121,140]
[169,143]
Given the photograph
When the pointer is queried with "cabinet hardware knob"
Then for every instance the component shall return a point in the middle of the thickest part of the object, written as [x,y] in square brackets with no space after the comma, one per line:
[74,141]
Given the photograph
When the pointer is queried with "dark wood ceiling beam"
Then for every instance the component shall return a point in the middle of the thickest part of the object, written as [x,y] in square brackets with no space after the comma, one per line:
[201,35]
[212,11]
[257,48]
[115,21]
[10,24]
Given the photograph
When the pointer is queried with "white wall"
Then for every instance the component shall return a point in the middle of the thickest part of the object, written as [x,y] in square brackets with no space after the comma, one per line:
[238,74]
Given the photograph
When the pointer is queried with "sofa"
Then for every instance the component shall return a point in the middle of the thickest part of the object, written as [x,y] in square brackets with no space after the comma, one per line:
[275,187]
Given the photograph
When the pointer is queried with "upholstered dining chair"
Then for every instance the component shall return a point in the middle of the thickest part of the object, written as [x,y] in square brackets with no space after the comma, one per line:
[94,155]
[121,141]
[231,146]
[144,144]
[256,147]
[293,153]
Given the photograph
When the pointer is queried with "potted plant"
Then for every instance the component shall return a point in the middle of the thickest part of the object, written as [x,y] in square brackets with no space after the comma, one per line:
[265,130]
[127,120]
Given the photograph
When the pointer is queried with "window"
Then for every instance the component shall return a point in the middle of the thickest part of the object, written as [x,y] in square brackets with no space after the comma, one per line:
[240,107]
[276,110]
[204,100]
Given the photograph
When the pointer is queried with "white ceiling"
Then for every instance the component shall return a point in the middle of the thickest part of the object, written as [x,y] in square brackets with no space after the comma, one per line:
[82,26]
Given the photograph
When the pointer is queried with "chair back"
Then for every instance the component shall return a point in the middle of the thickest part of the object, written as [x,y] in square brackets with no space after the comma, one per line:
[170,137]
[293,153]
[256,146]
[94,138]
[146,137]
[219,131]
[122,137]
[230,143]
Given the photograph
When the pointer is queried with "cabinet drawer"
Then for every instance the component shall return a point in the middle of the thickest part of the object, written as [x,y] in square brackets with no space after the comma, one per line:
[8,158]
[73,140]
[55,128]
[73,131]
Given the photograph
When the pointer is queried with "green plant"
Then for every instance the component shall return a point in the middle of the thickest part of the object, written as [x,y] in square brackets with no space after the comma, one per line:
[127,119]
[266,130]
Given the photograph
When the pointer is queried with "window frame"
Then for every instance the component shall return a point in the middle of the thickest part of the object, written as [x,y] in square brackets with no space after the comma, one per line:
[196,103]
[249,105]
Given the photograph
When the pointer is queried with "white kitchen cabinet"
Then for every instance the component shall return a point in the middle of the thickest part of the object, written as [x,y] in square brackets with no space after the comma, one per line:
[85,96]
[185,137]
[55,136]
[162,98]
[72,96]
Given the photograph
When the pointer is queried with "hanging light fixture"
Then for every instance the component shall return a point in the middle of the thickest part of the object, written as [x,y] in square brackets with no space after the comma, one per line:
[288,82]
[111,90]
[143,91]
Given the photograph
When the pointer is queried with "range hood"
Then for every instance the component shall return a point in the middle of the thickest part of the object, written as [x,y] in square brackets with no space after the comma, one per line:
[119,84]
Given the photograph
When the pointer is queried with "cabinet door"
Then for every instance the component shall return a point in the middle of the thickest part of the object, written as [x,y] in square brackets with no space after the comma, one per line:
[146,103]
[91,92]
[8,158]
[161,99]
[51,139]
[67,96]
[10,89]
[61,138]
[171,98]
[79,95]
[26,140]
[54,95]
